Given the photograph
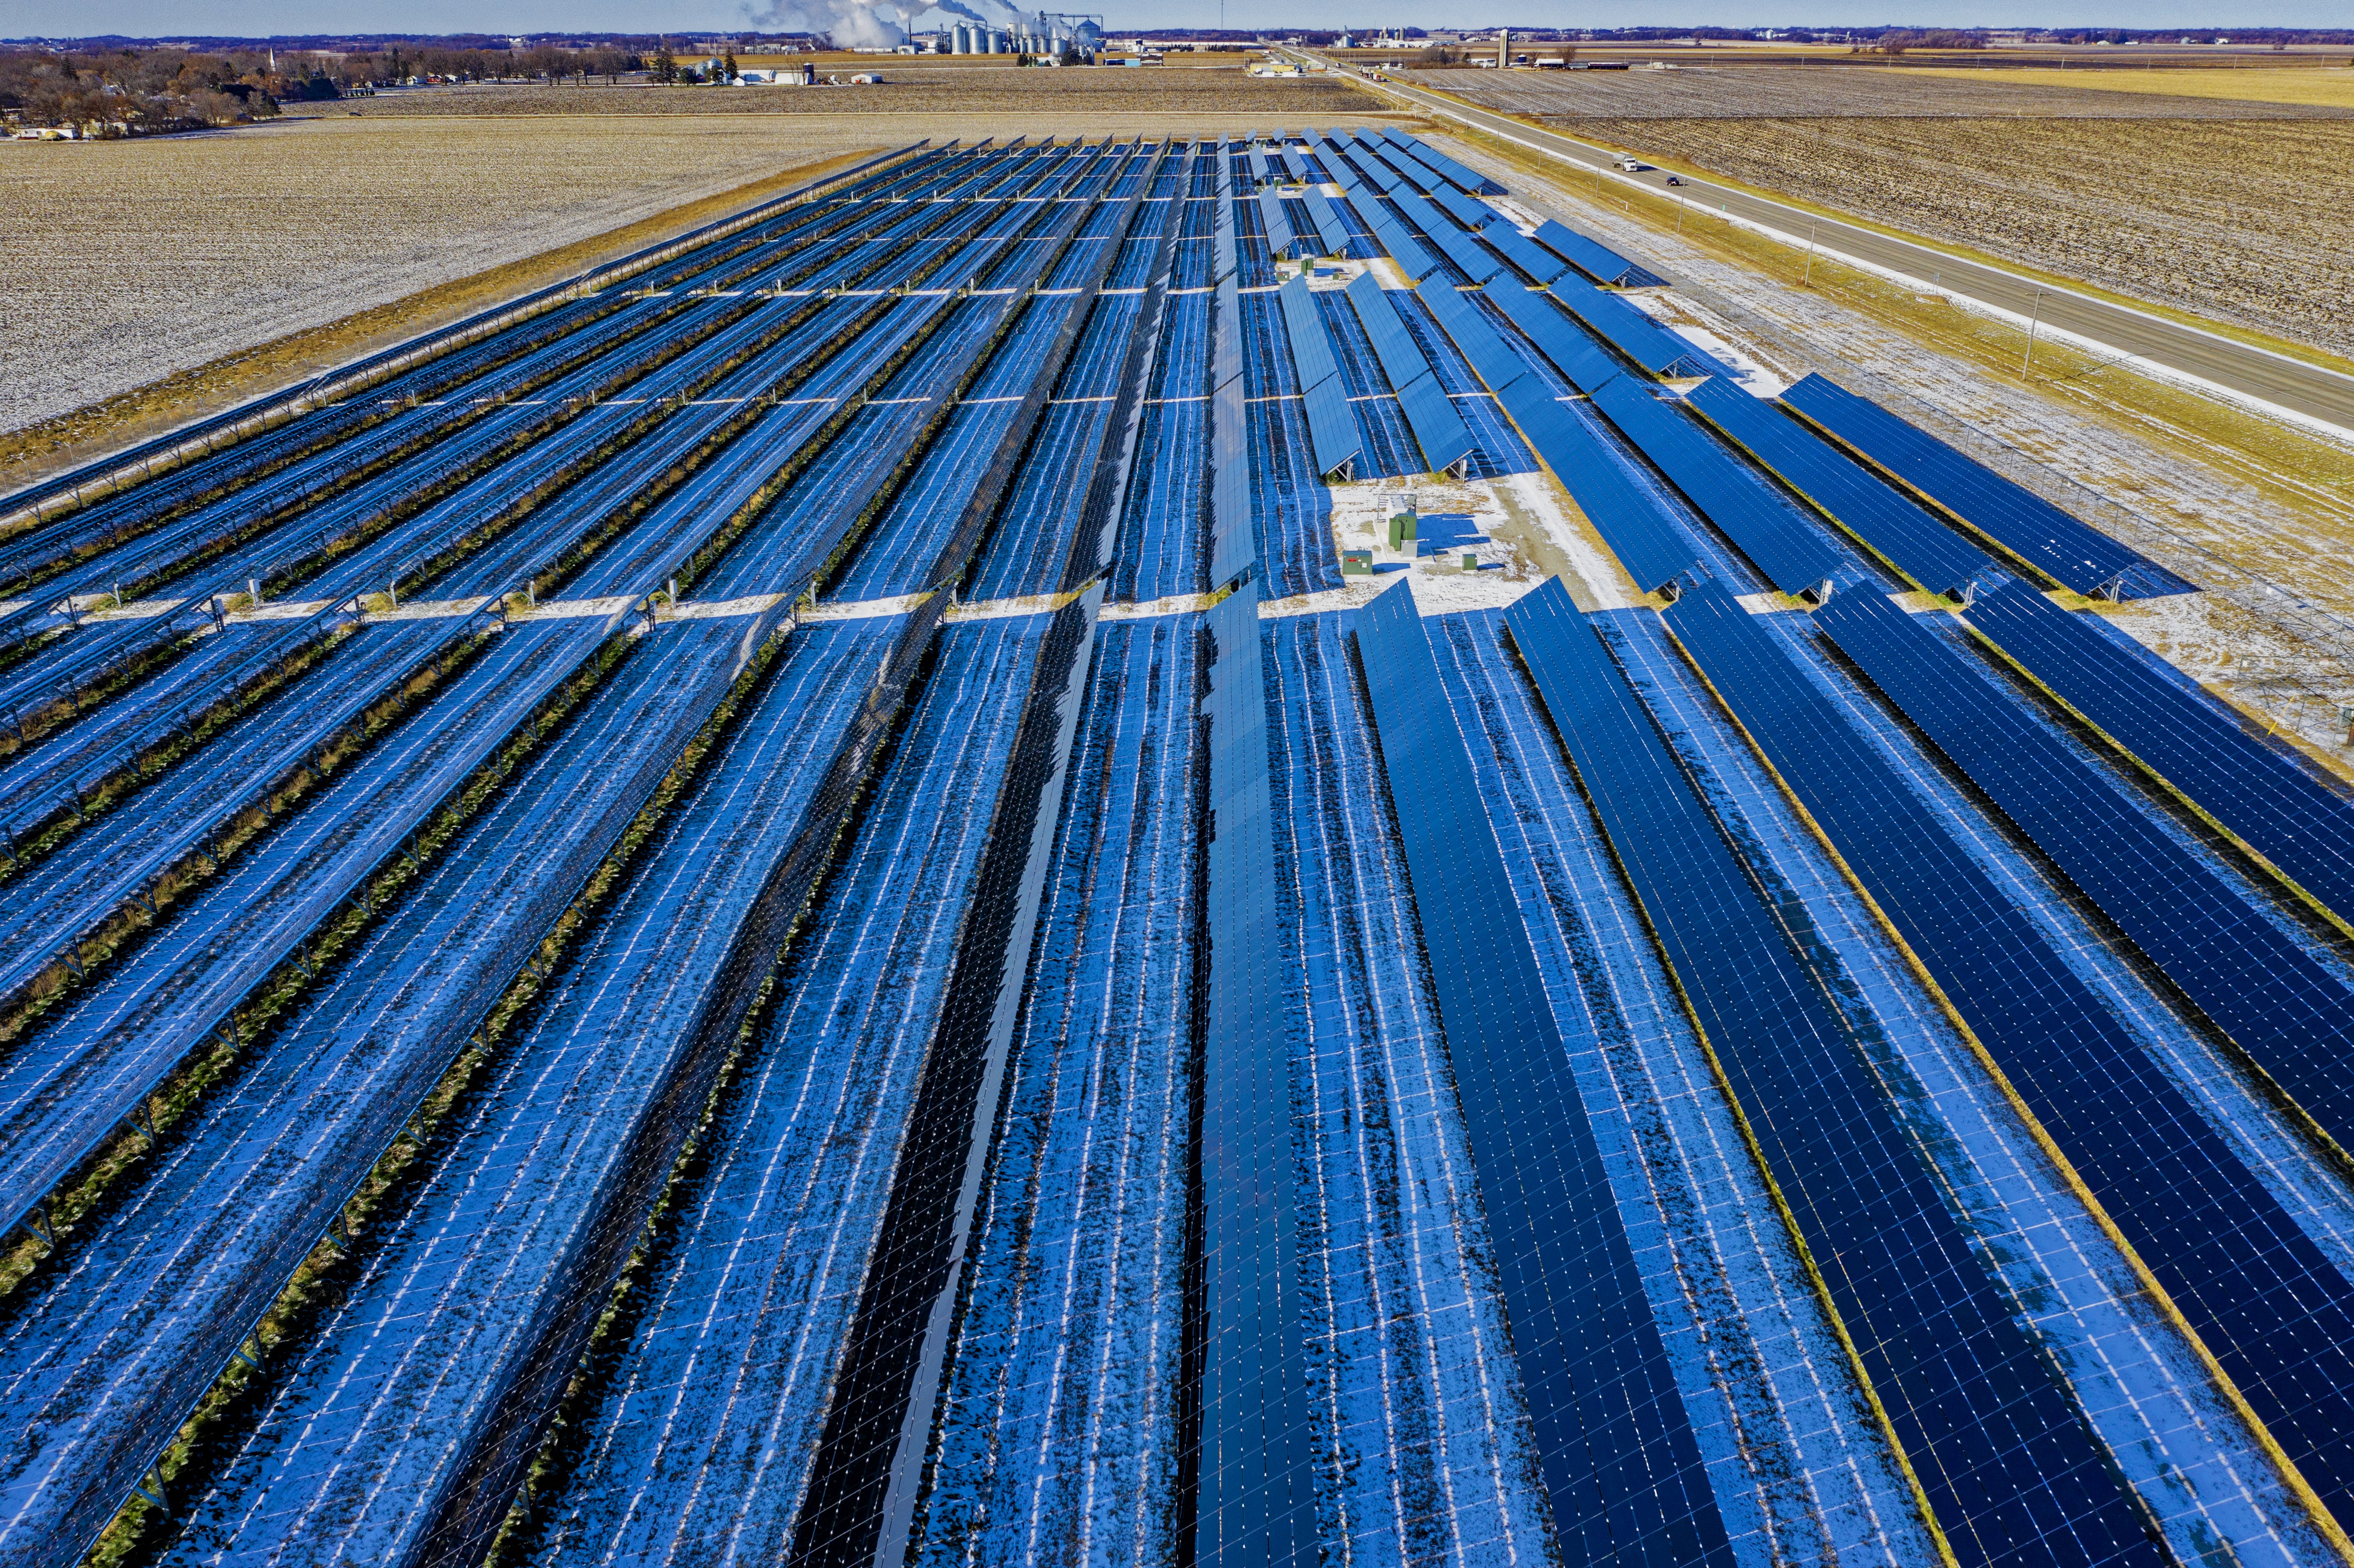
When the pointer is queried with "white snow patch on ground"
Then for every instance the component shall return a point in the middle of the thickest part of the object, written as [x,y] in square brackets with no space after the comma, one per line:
[1716,340]
[1605,582]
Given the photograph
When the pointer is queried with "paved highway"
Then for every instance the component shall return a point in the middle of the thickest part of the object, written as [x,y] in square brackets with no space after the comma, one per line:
[2308,389]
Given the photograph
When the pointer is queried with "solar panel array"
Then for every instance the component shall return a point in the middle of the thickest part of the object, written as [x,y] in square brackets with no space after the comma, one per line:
[2273,800]
[2254,978]
[1875,513]
[2072,554]
[1105,1051]
[2005,1468]
[2267,1302]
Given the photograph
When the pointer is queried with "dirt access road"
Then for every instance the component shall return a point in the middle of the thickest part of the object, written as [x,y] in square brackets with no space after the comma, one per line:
[2311,390]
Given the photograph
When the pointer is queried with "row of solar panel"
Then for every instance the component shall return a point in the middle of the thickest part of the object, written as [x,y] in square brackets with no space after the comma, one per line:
[2264,1299]
[2004,1465]
[2253,977]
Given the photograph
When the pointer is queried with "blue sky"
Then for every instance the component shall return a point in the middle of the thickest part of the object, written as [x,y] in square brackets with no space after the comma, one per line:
[165,18]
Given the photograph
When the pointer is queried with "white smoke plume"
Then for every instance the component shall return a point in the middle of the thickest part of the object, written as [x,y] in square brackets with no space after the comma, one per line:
[996,13]
[847,23]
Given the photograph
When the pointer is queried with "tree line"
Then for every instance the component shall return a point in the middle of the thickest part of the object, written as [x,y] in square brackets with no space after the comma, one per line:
[143,92]
[138,92]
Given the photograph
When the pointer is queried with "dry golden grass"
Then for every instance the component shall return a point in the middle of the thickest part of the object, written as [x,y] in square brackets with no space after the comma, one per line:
[2330,87]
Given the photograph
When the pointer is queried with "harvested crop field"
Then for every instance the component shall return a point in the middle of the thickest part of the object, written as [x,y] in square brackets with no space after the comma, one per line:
[2332,87]
[1051,101]
[1741,93]
[173,251]
[2239,219]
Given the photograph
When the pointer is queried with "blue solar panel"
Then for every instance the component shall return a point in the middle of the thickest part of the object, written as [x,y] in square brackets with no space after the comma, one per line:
[2304,825]
[1368,165]
[1432,158]
[1471,215]
[2074,554]
[2277,1316]
[1333,429]
[1768,528]
[1412,170]
[1335,233]
[1226,332]
[2294,1018]
[1445,442]
[1538,264]
[1277,224]
[1632,332]
[1474,260]
[2010,1472]
[1258,1502]
[1497,365]
[1590,256]
[1886,520]
[1572,352]
[1621,1468]
[1402,361]
[1652,545]
[1311,351]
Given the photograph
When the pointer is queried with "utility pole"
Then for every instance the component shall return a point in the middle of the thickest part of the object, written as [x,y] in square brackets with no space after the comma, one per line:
[2034,319]
[1810,277]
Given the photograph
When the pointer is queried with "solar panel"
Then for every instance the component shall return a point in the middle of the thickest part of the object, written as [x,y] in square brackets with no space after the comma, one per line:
[1887,521]
[1226,338]
[1307,240]
[1768,530]
[1480,343]
[1402,361]
[1572,352]
[1474,260]
[1328,222]
[2283,1009]
[1471,215]
[2303,824]
[1596,261]
[1414,171]
[1621,1470]
[1648,542]
[1432,158]
[1379,173]
[1277,222]
[1257,1498]
[1632,332]
[2074,554]
[1445,442]
[1333,429]
[1538,264]
[2268,1304]
[2010,1471]
[1311,352]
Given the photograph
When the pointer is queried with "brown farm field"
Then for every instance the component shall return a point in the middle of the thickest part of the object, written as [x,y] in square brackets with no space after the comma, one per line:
[2242,221]
[1759,91]
[163,255]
